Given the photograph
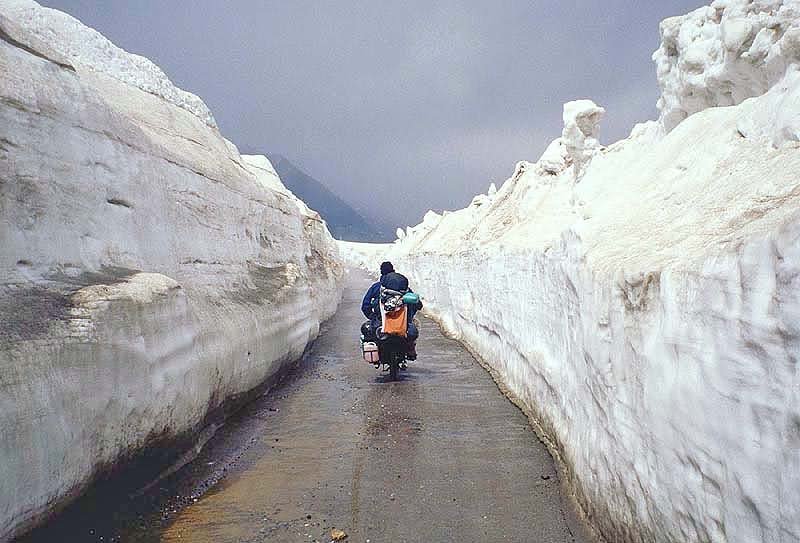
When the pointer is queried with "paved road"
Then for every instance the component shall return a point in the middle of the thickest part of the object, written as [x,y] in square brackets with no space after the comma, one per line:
[440,456]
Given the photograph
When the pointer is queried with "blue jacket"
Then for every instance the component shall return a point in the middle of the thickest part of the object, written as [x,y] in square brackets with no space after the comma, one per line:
[370,309]
[369,306]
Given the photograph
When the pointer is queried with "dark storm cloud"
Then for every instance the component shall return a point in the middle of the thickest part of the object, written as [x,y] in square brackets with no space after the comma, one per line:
[425,102]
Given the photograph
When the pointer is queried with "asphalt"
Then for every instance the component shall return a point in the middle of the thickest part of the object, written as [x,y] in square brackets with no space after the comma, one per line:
[439,456]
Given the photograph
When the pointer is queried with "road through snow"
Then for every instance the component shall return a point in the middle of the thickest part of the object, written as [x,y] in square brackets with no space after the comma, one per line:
[439,456]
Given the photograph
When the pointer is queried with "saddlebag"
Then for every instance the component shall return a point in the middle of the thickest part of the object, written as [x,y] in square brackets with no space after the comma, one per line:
[369,350]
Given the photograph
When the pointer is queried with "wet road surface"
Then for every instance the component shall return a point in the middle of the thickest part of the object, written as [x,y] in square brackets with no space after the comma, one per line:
[439,456]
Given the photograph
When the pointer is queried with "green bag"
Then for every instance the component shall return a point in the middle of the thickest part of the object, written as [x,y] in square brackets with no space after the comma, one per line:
[410,298]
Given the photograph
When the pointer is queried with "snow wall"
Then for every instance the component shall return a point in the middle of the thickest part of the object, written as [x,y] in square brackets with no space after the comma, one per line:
[149,274]
[642,300]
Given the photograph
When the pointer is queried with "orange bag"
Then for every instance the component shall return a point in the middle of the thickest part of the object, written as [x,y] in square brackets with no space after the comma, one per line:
[396,322]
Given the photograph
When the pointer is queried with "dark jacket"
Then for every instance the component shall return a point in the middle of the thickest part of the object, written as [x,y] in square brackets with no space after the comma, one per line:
[369,306]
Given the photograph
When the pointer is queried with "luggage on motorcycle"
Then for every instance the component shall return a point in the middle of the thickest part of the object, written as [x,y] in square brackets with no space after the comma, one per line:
[410,298]
[395,281]
[390,300]
[369,350]
[394,313]
[368,332]
[395,323]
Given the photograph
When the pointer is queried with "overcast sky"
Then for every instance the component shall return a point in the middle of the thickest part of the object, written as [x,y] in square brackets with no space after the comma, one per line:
[398,106]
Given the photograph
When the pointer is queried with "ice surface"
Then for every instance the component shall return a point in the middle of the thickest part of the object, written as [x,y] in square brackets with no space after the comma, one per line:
[148,273]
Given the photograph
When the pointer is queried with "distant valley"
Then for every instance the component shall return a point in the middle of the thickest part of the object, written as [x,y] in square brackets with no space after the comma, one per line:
[343,220]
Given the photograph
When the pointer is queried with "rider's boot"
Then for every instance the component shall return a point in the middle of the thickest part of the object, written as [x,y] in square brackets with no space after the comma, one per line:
[412,350]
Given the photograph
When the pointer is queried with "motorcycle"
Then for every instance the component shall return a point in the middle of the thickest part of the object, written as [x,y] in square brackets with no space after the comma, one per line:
[388,344]
[394,352]
[385,352]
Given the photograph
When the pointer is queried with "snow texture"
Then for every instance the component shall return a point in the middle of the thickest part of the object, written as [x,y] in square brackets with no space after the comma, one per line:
[148,273]
[722,54]
[648,317]
[265,175]
[580,135]
[56,34]
[554,158]
[365,256]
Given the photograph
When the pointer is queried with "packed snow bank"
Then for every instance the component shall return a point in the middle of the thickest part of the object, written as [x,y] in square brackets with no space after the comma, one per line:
[365,256]
[60,36]
[722,54]
[148,273]
[648,317]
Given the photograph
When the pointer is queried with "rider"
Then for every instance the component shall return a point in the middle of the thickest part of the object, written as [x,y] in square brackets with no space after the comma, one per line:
[370,304]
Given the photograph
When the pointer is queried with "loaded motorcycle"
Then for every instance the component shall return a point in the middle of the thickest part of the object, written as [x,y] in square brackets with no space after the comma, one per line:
[388,354]
[387,346]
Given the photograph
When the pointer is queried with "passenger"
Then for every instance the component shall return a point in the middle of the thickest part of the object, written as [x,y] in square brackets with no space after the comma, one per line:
[370,306]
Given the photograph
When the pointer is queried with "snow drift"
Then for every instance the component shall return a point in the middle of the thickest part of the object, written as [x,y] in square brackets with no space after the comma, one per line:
[149,274]
[722,54]
[642,300]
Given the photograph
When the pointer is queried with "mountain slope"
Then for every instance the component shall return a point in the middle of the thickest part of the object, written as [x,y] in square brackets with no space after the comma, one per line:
[343,221]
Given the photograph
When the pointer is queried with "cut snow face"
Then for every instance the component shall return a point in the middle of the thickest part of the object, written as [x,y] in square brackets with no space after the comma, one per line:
[265,174]
[138,253]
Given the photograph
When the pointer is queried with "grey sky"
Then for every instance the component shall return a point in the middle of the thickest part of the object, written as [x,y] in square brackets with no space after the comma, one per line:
[419,103]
